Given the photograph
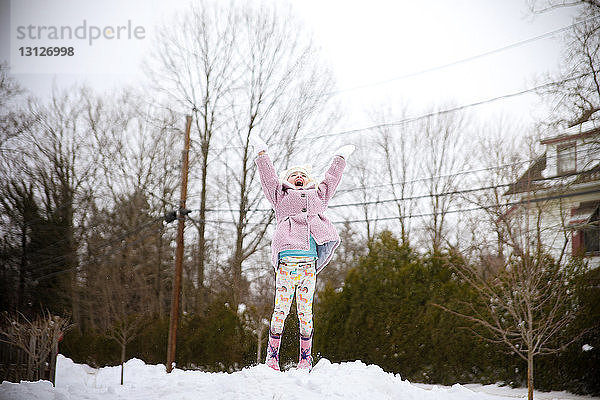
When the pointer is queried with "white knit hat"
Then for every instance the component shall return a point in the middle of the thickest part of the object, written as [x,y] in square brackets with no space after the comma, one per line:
[306,169]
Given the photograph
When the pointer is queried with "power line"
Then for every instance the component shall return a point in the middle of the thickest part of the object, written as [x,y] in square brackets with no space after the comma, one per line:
[553,197]
[446,111]
[408,120]
[454,174]
[57,260]
[429,178]
[478,208]
[467,59]
[423,196]
[162,199]
[441,194]
[45,264]
[410,216]
[459,61]
[502,166]
[56,273]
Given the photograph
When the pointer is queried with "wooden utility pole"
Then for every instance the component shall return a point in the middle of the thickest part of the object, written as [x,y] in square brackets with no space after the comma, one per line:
[179,252]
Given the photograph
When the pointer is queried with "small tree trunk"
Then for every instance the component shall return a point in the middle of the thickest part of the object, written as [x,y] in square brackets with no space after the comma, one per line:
[259,342]
[52,358]
[32,365]
[529,375]
[122,361]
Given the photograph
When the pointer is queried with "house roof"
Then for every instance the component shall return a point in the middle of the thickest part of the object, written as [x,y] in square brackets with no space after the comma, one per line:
[583,214]
[579,132]
[592,174]
[531,179]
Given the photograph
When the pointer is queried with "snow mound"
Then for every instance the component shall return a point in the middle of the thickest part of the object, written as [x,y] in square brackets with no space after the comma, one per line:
[349,380]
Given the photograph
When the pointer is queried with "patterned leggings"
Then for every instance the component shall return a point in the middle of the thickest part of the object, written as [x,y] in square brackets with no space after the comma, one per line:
[295,275]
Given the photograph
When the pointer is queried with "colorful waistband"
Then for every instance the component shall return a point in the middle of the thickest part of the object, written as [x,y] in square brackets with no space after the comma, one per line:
[296,260]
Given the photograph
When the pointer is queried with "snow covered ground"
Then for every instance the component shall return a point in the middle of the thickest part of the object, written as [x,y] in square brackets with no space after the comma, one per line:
[351,380]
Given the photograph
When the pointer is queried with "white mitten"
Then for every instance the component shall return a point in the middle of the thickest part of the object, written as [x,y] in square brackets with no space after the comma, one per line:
[345,151]
[258,144]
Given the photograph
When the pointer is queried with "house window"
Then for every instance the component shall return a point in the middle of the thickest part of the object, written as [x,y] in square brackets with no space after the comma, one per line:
[566,158]
[591,235]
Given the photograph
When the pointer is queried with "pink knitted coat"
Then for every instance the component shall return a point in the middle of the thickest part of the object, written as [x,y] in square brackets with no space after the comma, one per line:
[299,212]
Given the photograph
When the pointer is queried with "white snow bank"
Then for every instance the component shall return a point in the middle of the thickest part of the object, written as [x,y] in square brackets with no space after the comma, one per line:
[351,380]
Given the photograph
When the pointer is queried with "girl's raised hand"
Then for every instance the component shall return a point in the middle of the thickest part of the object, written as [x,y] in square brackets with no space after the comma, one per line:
[345,151]
[257,143]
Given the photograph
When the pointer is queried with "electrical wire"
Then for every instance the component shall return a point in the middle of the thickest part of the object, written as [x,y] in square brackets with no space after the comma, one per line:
[456,62]
[462,210]
[502,166]
[455,174]
[478,208]
[57,260]
[533,200]
[428,195]
[410,216]
[45,264]
[408,120]
[468,59]
[63,271]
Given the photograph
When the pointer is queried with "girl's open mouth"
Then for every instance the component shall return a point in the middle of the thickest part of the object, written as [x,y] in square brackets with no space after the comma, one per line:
[299,182]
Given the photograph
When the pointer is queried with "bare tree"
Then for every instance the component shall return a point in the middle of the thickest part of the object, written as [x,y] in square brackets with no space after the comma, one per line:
[398,147]
[258,73]
[498,161]
[239,68]
[524,296]
[357,198]
[135,147]
[525,306]
[119,293]
[443,155]
[576,95]
[60,164]
[260,307]
[540,6]
[195,67]
[38,338]
[12,119]
[362,174]
[122,322]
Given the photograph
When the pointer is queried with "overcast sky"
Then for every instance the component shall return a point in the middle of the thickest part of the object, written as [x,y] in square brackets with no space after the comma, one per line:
[371,45]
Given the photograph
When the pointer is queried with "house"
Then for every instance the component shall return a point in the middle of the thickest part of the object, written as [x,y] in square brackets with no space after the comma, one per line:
[560,194]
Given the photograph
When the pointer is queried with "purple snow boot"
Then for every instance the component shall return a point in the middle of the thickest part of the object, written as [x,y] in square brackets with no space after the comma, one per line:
[305,353]
[273,351]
